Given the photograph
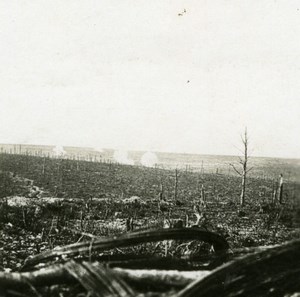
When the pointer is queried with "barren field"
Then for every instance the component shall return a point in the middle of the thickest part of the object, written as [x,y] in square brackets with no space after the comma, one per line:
[47,203]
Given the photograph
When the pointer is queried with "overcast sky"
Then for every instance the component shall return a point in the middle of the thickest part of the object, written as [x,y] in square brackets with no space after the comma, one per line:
[148,75]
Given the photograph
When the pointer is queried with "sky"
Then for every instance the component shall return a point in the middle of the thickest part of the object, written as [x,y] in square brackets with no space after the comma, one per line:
[173,76]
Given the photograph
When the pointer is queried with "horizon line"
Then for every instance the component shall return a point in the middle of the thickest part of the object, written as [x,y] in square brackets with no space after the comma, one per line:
[147,150]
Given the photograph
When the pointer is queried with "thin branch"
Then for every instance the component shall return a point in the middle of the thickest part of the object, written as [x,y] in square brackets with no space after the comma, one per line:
[243,139]
[241,161]
[237,148]
[234,168]
[249,169]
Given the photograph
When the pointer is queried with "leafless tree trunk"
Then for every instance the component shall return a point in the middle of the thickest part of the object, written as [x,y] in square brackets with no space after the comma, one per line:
[244,163]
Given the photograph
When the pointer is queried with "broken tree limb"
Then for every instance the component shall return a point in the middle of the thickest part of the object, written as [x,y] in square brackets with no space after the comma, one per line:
[235,169]
[275,270]
[98,280]
[53,274]
[219,243]
[163,279]
[60,274]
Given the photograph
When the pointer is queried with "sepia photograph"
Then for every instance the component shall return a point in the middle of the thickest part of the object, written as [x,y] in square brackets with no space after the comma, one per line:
[149,148]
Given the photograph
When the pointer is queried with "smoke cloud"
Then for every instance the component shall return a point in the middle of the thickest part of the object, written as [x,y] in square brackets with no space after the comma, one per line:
[149,159]
[122,157]
[98,149]
[59,151]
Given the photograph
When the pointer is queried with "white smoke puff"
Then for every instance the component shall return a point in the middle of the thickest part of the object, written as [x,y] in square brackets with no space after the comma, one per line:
[122,157]
[149,159]
[98,149]
[59,150]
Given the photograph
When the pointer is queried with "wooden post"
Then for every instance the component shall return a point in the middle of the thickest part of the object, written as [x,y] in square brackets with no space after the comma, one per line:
[129,224]
[43,168]
[280,189]
[161,193]
[274,195]
[202,197]
[176,184]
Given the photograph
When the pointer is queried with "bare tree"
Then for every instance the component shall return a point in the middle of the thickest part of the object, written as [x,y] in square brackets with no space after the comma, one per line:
[244,164]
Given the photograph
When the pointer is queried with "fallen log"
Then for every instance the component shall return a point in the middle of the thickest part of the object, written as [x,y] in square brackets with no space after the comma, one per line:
[58,274]
[270,272]
[159,279]
[219,243]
